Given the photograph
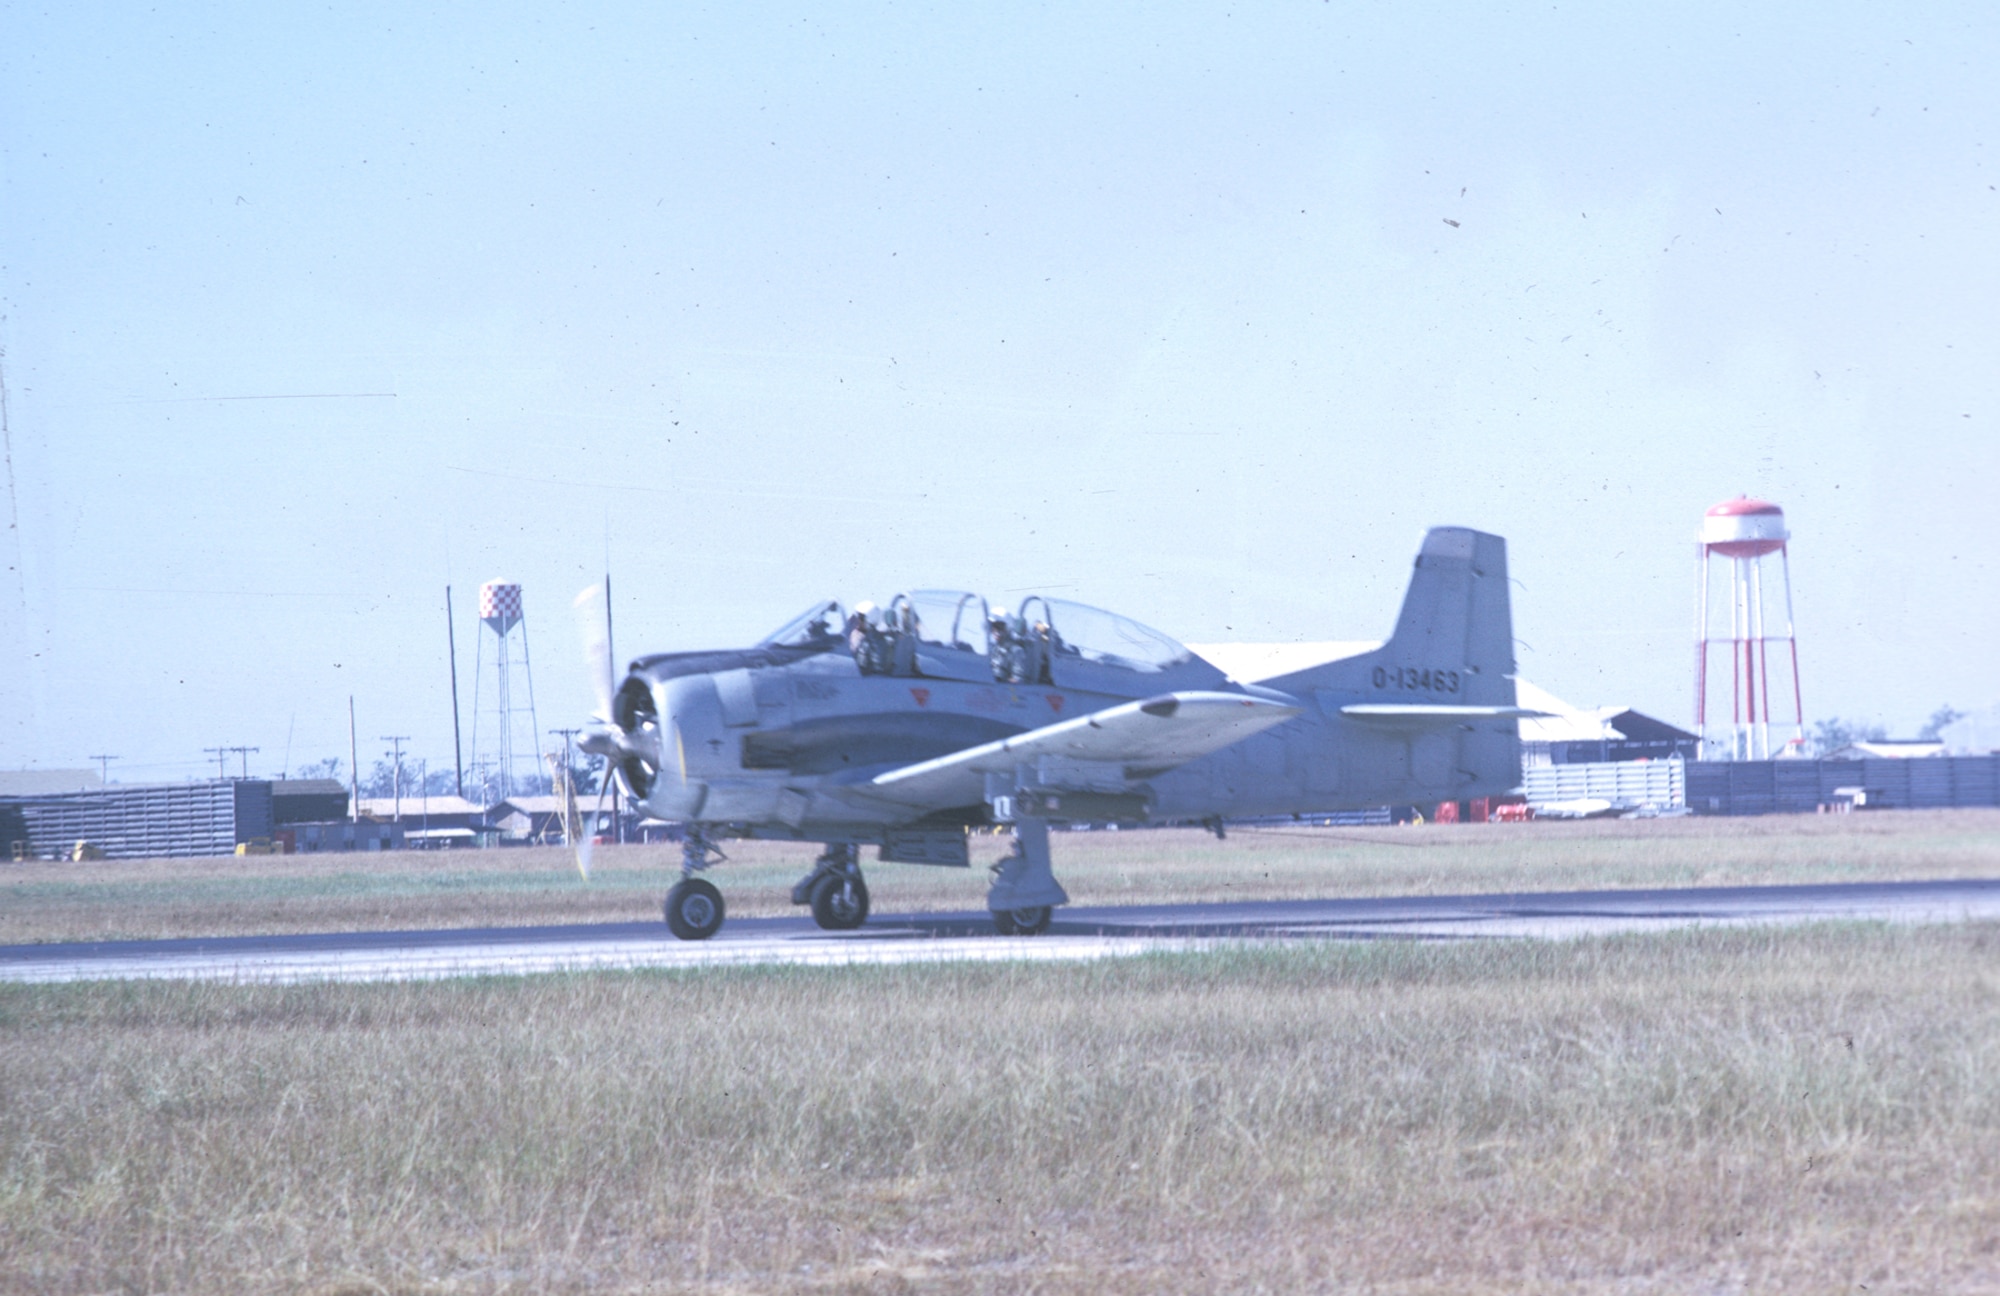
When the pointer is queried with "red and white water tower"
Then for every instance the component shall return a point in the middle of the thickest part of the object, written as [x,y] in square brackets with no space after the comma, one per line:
[1744,532]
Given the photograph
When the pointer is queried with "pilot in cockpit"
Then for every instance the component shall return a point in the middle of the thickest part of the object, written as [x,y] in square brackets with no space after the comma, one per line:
[857,625]
[866,640]
[1005,650]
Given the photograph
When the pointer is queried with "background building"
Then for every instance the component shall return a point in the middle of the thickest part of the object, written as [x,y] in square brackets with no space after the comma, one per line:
[139,821]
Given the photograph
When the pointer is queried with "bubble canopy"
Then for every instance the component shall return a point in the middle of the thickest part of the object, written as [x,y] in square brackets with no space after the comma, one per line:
[953,634]
[1105,638]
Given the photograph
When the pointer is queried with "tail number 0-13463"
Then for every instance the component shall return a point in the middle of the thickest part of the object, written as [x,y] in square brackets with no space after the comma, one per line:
[1428,679]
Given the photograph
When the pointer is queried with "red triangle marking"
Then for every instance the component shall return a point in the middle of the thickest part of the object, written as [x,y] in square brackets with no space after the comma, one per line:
[923,696]
[1055,701]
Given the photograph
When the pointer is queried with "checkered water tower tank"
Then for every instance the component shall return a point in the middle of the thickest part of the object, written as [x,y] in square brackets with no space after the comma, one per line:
[500,606]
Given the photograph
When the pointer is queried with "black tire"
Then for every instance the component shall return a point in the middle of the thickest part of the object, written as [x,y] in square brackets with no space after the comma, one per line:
[840,901]
[1032,921]
[694,909]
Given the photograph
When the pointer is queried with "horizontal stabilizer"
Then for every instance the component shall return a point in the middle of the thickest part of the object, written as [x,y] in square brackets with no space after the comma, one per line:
[1158,733]
[1425,715]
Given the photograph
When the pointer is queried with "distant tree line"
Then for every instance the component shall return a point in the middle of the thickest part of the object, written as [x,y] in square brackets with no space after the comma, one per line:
[482,784]
[1829,736]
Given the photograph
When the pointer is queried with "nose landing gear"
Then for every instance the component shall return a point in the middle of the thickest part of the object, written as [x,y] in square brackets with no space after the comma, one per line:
[694,908]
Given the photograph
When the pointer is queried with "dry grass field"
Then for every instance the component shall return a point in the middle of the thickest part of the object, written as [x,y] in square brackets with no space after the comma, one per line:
[117,899]
[1808,1109]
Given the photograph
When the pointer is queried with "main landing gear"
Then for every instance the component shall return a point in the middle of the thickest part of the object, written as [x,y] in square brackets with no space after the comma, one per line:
[694,907]
[834,889]
[1022,899]
[1025,892]
[1031,921]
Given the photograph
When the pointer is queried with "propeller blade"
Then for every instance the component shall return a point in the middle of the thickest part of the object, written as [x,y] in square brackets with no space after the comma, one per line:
[589,608]
[565,790]
[587,841]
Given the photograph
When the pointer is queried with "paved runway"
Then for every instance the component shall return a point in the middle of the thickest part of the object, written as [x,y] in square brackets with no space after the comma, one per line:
[1078,933]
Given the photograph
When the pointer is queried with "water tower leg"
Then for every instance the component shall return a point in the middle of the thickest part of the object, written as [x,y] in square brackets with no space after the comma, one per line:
[1792,638]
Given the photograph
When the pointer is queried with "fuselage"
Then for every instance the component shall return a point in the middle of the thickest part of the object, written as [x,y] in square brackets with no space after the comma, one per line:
[756,743]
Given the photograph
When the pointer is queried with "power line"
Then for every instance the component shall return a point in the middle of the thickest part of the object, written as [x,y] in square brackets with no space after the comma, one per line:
[396,768]
[451,644]
[569,760]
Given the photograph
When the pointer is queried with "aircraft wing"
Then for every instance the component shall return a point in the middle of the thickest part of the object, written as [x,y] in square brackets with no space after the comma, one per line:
[1158,733]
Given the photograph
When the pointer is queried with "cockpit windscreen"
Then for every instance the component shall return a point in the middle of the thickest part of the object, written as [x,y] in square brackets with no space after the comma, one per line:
[818,626]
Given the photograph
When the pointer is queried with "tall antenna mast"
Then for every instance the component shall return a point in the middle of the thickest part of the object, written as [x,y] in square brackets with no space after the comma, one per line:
[611,657]
[451,642]
[353,765]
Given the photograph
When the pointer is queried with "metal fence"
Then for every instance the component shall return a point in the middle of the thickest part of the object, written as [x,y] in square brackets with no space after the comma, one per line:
[1792,786]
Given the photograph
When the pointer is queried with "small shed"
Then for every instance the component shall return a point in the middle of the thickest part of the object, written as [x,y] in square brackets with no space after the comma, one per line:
[307,801]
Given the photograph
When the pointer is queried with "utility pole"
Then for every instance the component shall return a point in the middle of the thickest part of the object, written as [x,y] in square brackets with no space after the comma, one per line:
[396,768]
[568,790]
[244,752]
[221,755]
[104,767]
[567,735]
[353,766]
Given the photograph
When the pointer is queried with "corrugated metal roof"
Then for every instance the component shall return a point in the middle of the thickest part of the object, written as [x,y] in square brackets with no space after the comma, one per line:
[1564,723]
[542,805]
[308,787]
[1889,749]
[418,806]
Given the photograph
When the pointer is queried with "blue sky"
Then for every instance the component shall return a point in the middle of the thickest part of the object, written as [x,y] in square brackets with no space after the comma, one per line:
[1162,308]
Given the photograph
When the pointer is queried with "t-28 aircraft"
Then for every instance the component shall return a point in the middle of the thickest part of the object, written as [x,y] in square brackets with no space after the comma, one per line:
[905,727]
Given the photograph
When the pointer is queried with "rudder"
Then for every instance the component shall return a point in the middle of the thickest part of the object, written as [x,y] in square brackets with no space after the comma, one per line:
[1454,638]
[1428,716]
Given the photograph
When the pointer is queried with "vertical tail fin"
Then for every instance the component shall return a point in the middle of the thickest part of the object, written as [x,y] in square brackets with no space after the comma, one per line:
[1403,736]
[1454,639]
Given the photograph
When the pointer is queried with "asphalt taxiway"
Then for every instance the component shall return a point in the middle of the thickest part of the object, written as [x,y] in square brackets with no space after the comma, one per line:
[1077,933]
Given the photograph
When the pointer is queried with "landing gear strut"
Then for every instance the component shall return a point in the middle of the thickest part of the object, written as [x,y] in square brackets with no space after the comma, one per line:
[1025,892]
[834,889]
[694,907]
